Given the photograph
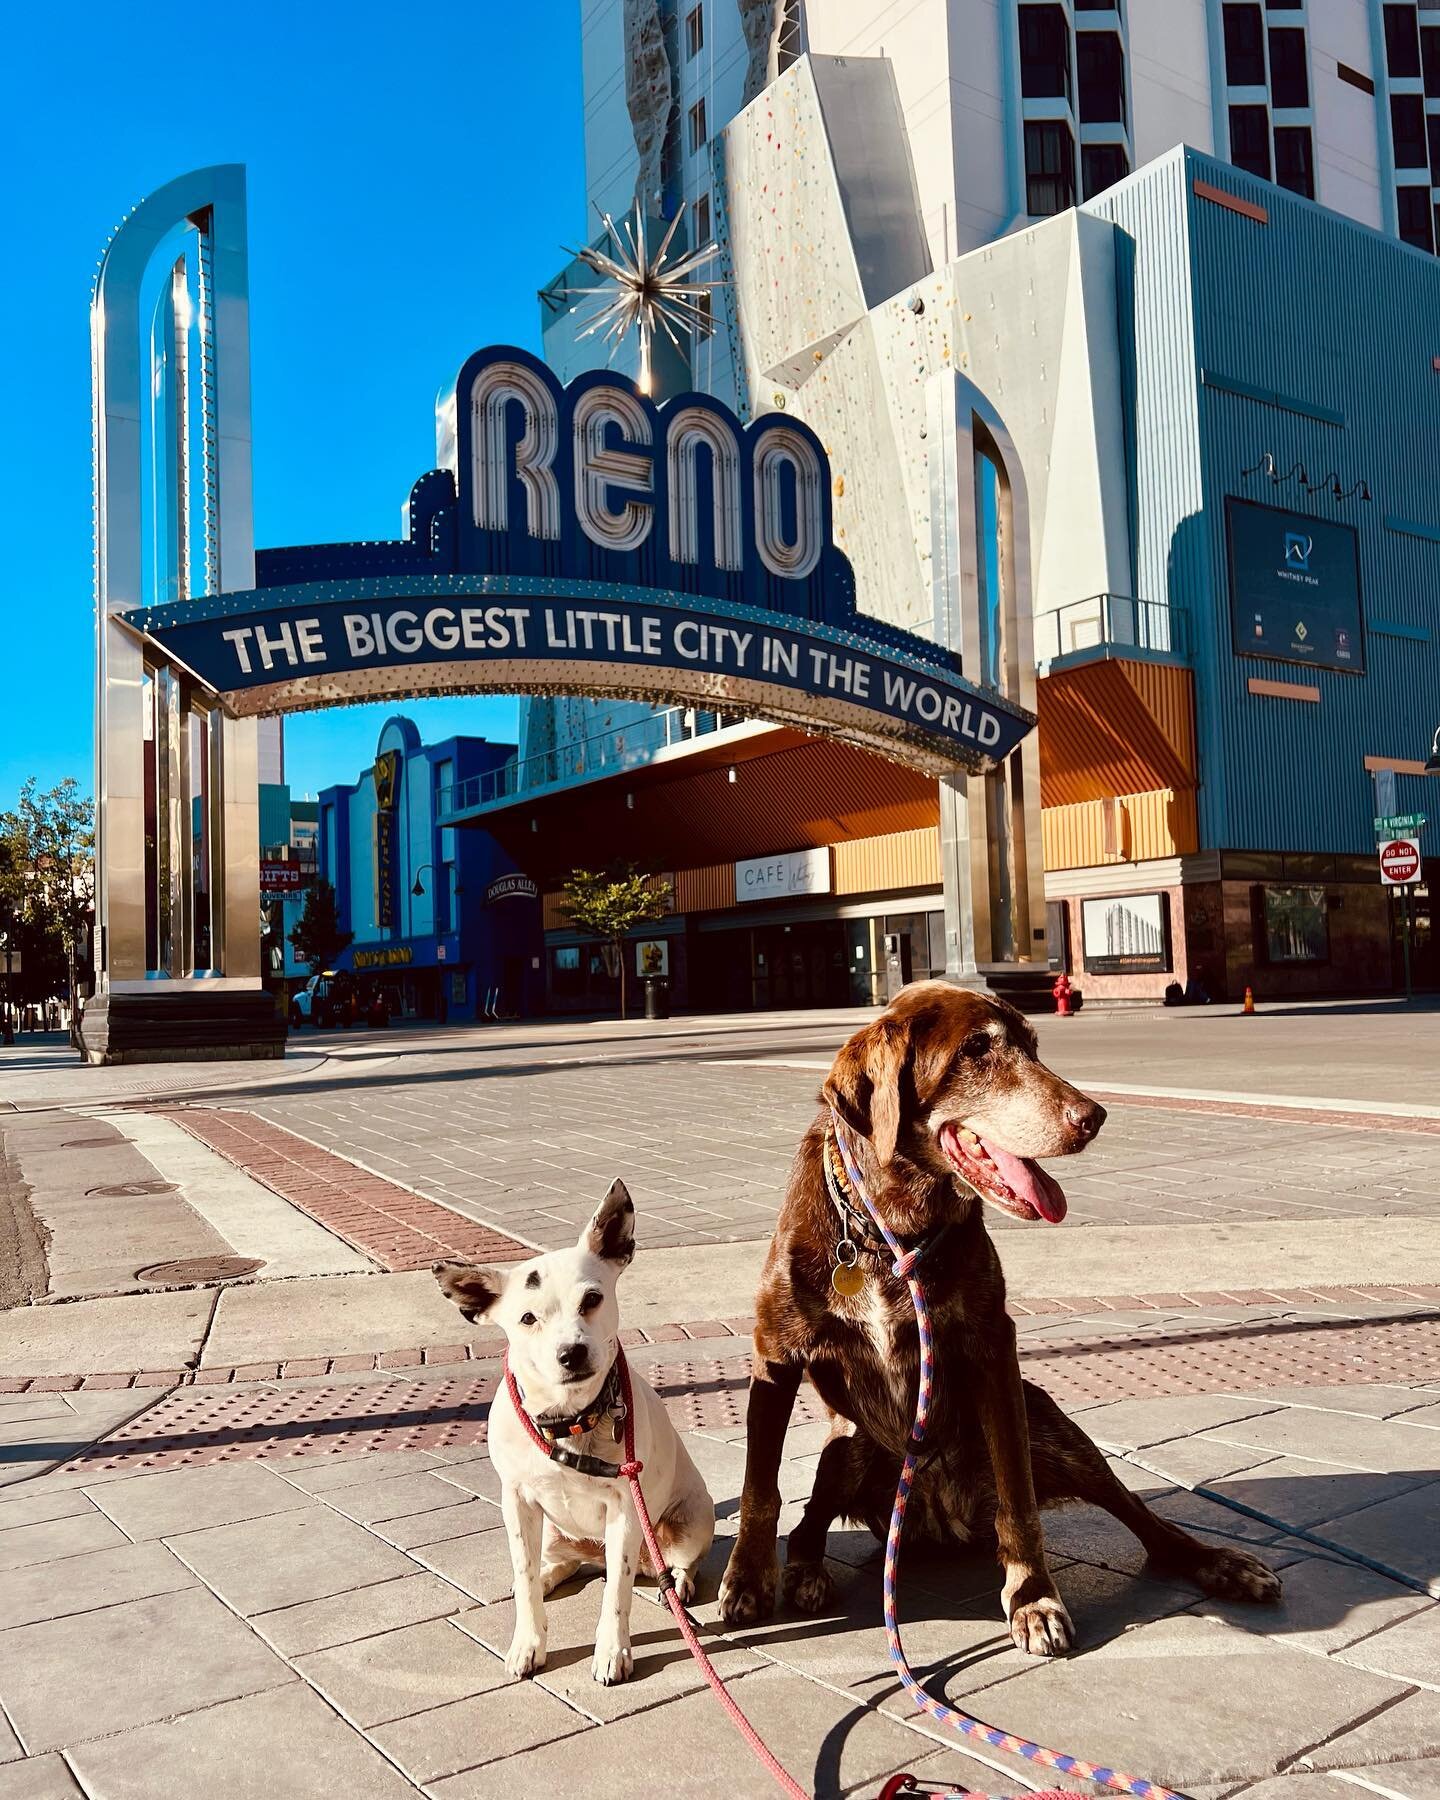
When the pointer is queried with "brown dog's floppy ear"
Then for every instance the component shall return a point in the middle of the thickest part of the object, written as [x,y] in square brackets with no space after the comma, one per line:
[864,1083]
[610,1235]
[473,1290]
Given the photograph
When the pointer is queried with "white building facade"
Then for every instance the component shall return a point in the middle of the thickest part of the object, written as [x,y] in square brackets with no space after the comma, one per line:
[1019,266]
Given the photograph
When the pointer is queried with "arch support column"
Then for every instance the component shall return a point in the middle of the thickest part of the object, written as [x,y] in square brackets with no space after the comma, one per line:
[990,846]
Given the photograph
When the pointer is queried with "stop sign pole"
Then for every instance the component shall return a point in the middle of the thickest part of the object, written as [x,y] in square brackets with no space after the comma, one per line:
[1400,867]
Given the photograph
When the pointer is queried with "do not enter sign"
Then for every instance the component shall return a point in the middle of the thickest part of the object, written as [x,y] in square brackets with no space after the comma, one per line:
[1400,862]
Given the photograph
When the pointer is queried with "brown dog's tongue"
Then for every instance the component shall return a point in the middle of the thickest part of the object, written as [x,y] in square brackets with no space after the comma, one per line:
[1026,1179]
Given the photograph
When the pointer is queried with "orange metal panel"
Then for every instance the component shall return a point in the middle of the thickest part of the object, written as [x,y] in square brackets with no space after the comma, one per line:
[1283,690]
[1152,825]
[789,792]
[1099,735]
[1205,190]
[1168,693]
[710,889]
[898,860]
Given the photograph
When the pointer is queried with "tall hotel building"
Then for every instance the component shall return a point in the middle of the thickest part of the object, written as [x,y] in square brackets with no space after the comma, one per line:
[1184,249]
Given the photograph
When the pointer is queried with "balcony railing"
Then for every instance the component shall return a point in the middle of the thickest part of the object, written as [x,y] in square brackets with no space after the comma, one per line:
[606,753]
[1106,624]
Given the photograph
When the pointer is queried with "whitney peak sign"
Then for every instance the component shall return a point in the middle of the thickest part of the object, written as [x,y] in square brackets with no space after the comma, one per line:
[582,540]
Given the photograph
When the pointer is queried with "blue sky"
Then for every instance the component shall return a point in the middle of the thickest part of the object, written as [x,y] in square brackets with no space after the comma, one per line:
[412,175]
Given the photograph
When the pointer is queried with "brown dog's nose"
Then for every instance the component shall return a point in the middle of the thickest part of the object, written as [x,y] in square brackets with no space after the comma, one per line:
[1084,1117]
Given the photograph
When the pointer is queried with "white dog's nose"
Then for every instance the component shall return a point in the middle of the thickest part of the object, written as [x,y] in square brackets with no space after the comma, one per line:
[572,1357]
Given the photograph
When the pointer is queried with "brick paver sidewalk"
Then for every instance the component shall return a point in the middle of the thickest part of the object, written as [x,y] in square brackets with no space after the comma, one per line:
[302,1588]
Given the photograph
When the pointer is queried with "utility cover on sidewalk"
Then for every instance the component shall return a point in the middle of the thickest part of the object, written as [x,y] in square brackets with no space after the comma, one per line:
[200,1268]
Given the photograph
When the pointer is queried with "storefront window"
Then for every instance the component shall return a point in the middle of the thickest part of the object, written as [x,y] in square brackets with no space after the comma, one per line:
[565,974]
[1297,925]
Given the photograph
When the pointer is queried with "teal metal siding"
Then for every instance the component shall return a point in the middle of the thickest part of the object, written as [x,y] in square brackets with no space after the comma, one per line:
[1312,338]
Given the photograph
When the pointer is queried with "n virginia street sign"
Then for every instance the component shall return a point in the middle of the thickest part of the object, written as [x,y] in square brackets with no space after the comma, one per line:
[1400,862]
[583,540]
[1399,824]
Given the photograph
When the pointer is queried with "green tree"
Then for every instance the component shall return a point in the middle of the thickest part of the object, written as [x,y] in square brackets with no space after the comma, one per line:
[610,903]
[47,873]
[318,938]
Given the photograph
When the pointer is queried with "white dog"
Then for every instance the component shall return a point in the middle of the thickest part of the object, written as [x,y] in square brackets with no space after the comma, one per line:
[561,1323]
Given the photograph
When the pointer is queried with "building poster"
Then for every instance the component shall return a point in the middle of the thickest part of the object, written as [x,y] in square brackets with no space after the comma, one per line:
[1126,934]
[652,957]
[1294,587]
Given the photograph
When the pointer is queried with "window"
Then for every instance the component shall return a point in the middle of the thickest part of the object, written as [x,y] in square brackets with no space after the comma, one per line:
[565,973]
[1049,167]
[1412,204]
[1432,125]
[1097,5]
[1100,66]
[698,131]
[1407,128]
[694,32]
[1101,166]
[1289,78]
[1044,53]
[1295,159]
[1244,46]
[1430,58]
[703,232]
[1402,41]
[1250,139]
[1297,925]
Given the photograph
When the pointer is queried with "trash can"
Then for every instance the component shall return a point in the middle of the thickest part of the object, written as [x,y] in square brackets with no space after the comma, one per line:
[657,997]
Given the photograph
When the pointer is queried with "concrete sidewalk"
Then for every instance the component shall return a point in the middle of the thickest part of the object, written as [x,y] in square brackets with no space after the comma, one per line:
[261,1591]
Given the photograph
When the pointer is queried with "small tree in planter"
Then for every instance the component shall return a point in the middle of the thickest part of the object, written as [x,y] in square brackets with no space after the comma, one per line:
[608,904]
[317,938]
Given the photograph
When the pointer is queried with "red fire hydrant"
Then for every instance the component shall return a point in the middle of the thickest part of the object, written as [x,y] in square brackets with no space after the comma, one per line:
[1061,991]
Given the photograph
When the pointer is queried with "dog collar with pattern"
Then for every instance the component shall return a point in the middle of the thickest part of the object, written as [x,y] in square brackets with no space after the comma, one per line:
[548,1433]
[855,1227]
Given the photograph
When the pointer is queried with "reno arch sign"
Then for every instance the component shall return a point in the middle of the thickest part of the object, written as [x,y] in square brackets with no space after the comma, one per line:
[585,540]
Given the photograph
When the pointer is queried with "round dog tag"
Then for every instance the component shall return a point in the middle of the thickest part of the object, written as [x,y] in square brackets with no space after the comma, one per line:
[847,1279]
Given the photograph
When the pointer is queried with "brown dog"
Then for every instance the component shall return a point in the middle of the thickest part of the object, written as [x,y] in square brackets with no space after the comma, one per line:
[942,1099]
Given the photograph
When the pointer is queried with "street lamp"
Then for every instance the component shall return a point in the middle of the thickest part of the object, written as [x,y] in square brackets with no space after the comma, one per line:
[419,888]
[1432,761]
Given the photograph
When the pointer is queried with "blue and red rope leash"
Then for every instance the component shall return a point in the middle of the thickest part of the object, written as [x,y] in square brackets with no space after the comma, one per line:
[904,1268]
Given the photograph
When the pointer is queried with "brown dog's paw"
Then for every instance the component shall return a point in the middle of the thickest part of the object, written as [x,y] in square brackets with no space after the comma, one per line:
[808,1587]
[1237,1575]
[747,1594]
[1042,1627]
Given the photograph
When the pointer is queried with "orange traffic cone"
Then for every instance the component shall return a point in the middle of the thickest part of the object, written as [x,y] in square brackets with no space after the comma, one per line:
[1249,1007]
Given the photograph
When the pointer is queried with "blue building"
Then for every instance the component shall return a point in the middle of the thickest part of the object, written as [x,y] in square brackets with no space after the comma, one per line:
[445,921]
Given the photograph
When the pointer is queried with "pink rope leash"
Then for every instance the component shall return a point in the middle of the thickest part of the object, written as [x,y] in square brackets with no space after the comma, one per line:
[631,1470]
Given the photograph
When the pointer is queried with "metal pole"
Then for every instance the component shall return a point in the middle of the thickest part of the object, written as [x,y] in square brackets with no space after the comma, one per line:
[1405,938]
[8,1035]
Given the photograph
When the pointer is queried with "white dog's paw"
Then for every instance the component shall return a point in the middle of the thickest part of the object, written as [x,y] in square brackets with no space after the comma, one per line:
[527,1654]
[686,1587]
[614,1662]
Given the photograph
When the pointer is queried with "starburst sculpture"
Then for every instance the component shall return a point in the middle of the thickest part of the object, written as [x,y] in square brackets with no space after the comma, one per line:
[640,292]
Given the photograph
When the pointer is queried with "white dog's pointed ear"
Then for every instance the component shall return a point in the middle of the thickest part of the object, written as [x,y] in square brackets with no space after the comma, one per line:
[473,1290]
[610,1235]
